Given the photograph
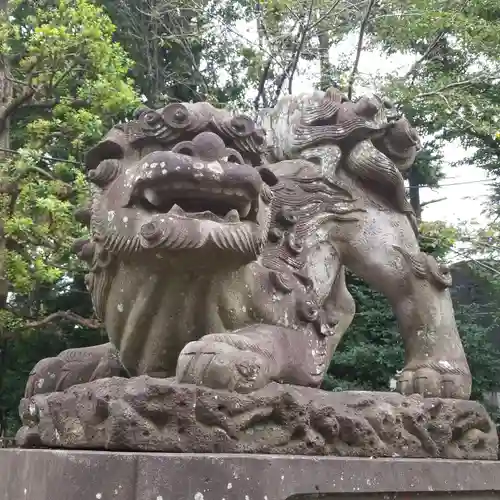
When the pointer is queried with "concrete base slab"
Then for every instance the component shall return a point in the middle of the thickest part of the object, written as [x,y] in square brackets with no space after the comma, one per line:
[89,475]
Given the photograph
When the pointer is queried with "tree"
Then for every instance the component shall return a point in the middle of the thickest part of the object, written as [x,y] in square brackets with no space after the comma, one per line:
[452,90]
[67,85]
[183,50]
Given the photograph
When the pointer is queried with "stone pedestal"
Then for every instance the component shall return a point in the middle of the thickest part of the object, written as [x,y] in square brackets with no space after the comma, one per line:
[158,415]
[89,475]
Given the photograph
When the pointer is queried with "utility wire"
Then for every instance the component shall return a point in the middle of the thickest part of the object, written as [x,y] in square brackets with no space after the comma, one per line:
[479,263]
[461,183]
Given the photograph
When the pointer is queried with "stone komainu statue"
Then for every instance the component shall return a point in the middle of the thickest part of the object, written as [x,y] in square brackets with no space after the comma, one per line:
[221,261]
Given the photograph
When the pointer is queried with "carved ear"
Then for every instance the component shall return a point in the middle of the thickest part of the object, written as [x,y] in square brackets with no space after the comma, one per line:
[366,107]
[84,249]
[83,215]
[105,173]
[113,146]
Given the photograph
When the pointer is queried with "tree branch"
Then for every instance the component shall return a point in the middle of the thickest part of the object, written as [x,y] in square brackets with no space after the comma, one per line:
[325,15]
[298,51]
[450,86]
[67,315]
[479,263]
[13,105]
[359,48]
[430,202]
[49,104]
[261,94]
[414,67]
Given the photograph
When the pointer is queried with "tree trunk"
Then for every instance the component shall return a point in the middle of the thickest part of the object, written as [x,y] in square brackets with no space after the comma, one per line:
[415,193]
[324,45]
[5,97]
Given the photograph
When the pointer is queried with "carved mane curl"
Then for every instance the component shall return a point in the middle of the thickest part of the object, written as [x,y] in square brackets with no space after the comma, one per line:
[374,148]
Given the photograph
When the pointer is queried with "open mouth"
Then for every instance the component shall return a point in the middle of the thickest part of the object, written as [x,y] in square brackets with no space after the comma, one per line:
[188,200]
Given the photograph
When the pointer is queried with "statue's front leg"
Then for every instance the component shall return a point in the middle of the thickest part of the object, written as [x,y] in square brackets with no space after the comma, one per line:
[386,255]
[435,359]
[248,359]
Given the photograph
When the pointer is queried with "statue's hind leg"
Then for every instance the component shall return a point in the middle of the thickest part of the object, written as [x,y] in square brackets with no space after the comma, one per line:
[385,253]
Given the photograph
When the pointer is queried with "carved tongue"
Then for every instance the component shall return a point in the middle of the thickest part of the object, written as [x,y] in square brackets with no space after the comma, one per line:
[232,216]
[152,196]
[245,210]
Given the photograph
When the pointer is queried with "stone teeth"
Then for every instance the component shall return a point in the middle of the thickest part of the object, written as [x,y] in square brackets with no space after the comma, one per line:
[176,210]
[152,196]
[245,210]
[232,216]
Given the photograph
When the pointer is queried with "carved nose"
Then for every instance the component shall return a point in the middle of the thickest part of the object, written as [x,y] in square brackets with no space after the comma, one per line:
[209,146]
[402,135]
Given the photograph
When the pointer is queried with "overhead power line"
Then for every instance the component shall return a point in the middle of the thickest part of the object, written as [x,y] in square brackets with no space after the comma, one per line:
[460,183]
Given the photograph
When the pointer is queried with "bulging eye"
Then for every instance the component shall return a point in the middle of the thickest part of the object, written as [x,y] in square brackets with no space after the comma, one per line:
[184,148]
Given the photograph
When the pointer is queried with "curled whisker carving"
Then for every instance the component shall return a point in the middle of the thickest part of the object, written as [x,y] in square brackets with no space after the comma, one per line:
[425,266]
[238,126]
[240,133]
[353,130]
[321,113]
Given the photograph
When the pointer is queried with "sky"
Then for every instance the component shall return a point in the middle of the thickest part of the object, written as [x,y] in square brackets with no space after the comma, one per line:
[464,188]
[464,202]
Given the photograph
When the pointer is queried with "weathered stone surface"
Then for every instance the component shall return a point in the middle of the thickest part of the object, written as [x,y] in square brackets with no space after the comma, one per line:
[89,475]
[258,292]
[150,414]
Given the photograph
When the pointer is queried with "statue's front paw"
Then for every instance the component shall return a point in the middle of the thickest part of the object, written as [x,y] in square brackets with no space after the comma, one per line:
[214,363]
[436,379]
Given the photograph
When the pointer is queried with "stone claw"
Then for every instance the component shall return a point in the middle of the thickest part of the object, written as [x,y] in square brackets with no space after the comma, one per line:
[219,365]
[72,367]
[430,381]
